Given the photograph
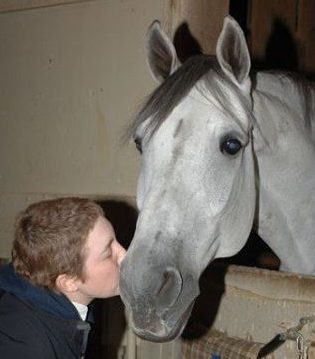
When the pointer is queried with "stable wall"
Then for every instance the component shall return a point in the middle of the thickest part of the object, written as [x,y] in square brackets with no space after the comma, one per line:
[71,76]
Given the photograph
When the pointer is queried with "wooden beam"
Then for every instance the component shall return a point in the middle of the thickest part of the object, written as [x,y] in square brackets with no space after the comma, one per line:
[18,5]
[203,19]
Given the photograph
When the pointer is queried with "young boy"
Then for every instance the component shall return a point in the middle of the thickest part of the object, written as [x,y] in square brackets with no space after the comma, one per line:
[64,255]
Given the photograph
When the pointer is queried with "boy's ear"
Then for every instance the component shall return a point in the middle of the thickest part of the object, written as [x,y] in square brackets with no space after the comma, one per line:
[66,283]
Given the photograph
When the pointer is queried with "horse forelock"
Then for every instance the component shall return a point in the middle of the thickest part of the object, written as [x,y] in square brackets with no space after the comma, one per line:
[170,92]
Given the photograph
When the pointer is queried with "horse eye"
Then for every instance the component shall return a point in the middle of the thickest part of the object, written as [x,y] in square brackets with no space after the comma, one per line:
[138,144]
[231,146]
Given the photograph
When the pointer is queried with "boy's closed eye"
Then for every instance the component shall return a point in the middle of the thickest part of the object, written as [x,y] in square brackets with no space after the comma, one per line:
[107,252]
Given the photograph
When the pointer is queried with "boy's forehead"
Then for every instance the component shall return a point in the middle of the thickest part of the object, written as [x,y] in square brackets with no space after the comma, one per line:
[107,224]
[99,237]
[101,227]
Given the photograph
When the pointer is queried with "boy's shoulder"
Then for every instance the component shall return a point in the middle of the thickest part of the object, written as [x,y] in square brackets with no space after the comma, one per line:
[20,330]
[17,315]
[28,314]
[24,327]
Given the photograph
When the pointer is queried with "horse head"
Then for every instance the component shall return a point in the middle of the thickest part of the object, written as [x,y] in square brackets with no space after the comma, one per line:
[196,189]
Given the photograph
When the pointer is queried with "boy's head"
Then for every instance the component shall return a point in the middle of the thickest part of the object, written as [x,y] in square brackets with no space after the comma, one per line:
[56,246]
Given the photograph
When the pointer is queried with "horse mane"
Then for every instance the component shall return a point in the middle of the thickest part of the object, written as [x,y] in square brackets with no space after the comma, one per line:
[170,92]
[300,86]
[307,90]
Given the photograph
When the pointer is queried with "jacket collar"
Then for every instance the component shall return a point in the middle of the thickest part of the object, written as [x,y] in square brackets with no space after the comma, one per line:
[53,303]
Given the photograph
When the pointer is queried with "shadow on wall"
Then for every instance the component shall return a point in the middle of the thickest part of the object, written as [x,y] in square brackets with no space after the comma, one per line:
[281,50]
[185,44]
[123,217]
[110,320]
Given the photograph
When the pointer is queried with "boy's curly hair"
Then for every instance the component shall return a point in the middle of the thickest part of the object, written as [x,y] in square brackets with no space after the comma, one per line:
[50,237]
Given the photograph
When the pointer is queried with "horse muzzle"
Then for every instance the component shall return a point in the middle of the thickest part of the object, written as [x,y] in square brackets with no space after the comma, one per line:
[157,329]
[160,306]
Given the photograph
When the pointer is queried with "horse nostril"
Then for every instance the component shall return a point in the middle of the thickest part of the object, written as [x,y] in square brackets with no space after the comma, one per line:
[169,289]
[166,283]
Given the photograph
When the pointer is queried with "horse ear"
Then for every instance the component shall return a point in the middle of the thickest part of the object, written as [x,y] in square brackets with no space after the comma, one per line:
[161,53]
[232,52]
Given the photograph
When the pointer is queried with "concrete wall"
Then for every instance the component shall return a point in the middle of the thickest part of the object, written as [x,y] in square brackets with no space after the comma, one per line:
[71,77]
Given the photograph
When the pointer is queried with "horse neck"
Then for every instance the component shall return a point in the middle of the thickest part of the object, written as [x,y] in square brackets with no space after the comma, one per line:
[285,154]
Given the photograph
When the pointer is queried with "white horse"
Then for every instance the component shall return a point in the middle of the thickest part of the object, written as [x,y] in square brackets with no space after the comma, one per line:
[222,152]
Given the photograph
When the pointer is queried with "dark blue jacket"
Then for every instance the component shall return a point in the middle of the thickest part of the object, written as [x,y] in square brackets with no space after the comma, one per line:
[37,323]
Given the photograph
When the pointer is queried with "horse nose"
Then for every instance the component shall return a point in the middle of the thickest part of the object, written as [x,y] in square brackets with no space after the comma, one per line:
[168,289]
